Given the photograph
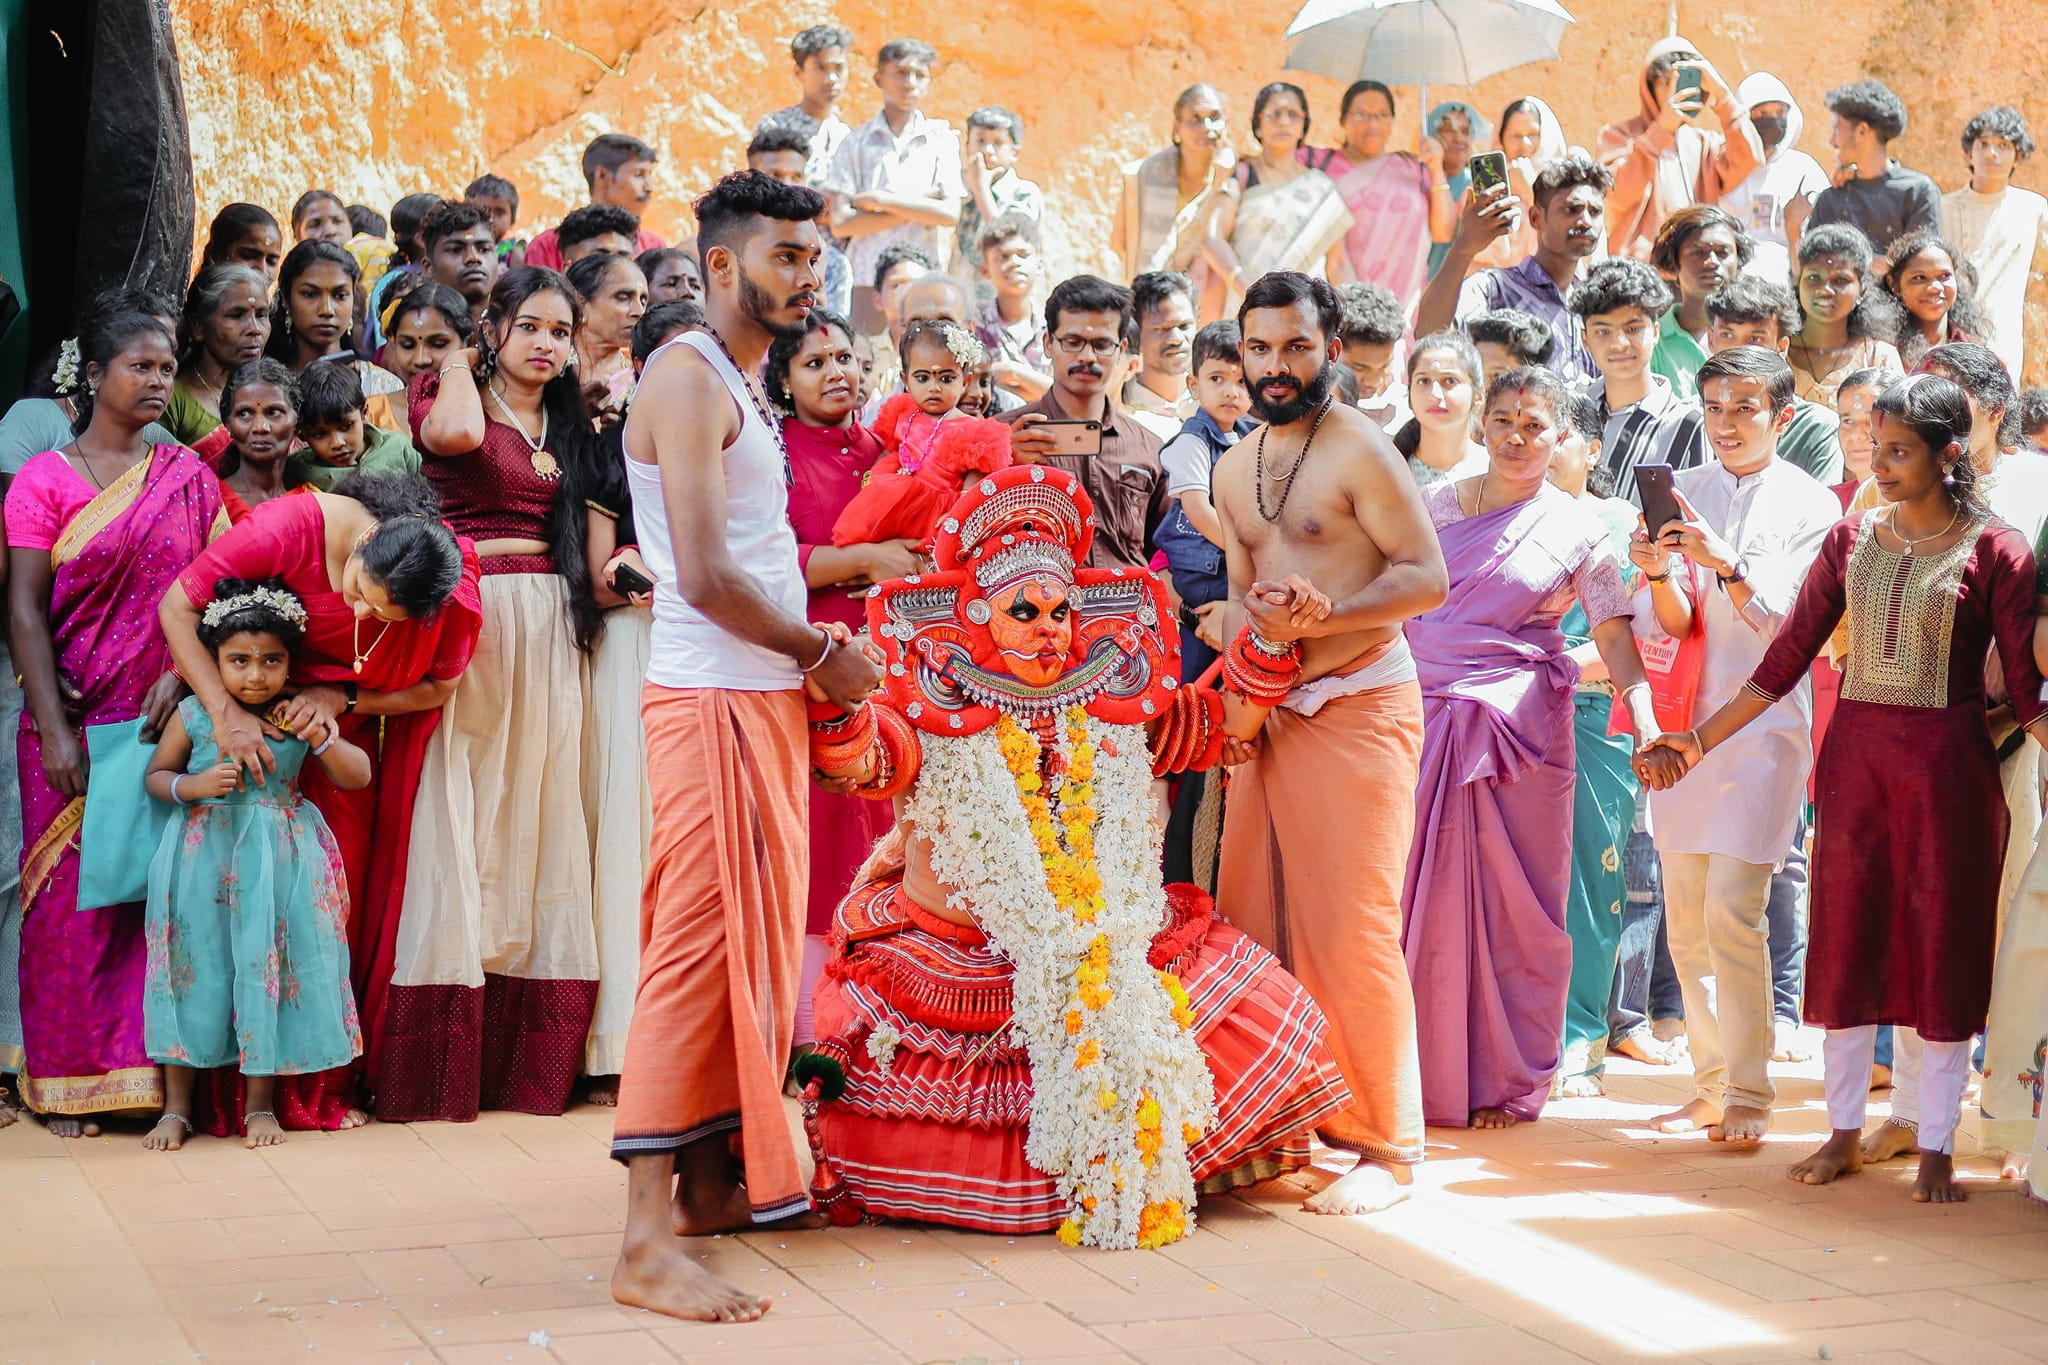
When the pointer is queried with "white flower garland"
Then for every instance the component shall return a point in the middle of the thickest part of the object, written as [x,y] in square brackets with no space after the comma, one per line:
[1085,1115]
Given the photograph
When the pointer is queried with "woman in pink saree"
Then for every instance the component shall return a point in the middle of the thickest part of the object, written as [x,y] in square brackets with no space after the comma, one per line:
[1483,910]
[98,530]
[1399,204]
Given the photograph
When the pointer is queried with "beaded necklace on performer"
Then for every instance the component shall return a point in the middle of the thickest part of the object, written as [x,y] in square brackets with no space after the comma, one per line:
[1286,481]
[759,401]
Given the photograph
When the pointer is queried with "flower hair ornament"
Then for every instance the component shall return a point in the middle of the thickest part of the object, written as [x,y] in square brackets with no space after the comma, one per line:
[274,599]
[66,378]
[964,345]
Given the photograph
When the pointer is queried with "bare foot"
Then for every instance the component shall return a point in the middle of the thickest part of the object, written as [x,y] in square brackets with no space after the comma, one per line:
[1646,1046]
[1582,1086]
[1936,1183]
[354,1118]
[71,1128]
[1840,1155]
[2011,1165]
[1890,1139]
[1741,1124]
[1669,1030]
[1367,1187]
[604,1091]
[1791,1043]
[9,1113]
[1880,1076]
[261,1130]
[663,1278]
[706,1214]
[1492,1118]
[169,1134]
[1693,1116]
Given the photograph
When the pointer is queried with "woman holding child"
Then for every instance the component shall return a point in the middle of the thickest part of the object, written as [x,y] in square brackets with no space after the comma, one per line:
[393,612]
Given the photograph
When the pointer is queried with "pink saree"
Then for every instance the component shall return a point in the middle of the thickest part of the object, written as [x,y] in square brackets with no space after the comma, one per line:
[1389,238]
[81,971]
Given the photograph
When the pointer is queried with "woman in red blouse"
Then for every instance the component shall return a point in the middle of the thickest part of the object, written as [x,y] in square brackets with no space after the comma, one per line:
[817,379]
[392,597]
[496,973]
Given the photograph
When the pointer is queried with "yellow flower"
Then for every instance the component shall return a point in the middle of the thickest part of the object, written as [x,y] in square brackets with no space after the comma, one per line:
[1190,1134]
[1149,1113]
[1161,1223]
[1070,1233]
[1106,1098]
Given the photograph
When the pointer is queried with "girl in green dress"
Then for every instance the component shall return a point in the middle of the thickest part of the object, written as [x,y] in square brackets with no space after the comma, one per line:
[246,926]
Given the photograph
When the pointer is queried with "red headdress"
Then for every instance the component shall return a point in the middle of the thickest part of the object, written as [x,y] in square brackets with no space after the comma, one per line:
[945,672]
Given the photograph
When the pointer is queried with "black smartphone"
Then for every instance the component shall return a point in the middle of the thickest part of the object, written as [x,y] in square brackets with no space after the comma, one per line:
[1073,438]
[628,581]
[1686,92]
[1488,169]
[1659,498]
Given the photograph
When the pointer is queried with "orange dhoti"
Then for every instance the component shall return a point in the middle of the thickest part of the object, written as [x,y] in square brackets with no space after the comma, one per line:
[1316,832]
[722,933]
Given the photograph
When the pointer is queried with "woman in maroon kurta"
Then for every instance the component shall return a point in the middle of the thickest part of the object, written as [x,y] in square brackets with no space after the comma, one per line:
[393,603]
[1911,816]
[818,379]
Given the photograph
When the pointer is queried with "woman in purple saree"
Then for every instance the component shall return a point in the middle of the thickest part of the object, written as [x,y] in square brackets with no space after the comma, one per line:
[1483,908]
[97,532]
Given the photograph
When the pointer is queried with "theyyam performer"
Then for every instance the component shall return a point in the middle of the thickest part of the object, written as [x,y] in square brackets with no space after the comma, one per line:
[1020,1028]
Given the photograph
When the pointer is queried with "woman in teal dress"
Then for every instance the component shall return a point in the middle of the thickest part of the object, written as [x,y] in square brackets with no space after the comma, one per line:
[1604,796]
[246,926]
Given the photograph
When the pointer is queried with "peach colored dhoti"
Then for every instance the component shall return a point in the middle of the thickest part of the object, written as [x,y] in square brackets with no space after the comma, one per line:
[1316,832]
[722,932]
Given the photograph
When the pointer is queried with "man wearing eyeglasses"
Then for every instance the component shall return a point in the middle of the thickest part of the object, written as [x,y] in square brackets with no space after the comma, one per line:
[1086,319]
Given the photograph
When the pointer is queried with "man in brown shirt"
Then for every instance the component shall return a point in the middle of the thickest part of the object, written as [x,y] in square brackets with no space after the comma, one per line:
[1088,321]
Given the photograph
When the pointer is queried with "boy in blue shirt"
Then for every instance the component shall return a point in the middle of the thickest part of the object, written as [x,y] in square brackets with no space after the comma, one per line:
[1190,536]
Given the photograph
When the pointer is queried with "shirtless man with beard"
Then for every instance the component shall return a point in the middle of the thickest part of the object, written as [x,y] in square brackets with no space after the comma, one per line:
[1329,550]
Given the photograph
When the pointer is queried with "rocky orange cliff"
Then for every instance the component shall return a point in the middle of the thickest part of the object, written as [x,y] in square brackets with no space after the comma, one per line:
[378,98]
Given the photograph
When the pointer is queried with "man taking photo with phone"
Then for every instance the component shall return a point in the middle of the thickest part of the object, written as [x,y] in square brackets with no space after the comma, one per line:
[1087,320]
[1730,566]
[1691,144]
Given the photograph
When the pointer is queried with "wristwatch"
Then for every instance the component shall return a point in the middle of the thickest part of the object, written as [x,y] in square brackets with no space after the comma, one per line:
[350,689]
[1739,574]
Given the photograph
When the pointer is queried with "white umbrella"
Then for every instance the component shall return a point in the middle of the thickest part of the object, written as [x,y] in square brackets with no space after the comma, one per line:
[1420,42]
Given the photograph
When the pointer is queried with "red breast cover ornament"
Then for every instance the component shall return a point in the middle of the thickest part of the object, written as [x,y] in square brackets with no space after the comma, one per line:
[1009,624]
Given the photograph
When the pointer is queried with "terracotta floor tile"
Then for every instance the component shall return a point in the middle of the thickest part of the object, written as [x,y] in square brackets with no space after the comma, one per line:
[611,1348]
[1035,1331]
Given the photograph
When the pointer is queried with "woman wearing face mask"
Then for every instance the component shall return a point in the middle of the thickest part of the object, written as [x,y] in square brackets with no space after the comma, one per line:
[1787,177]
[496,925]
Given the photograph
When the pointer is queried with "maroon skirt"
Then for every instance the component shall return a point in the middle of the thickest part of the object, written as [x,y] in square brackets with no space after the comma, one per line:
[1909,845]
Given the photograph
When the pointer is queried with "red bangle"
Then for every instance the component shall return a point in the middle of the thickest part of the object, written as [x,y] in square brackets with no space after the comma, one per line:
[1259,671]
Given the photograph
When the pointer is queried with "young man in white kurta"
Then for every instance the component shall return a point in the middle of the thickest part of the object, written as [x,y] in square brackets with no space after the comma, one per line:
[1753,525]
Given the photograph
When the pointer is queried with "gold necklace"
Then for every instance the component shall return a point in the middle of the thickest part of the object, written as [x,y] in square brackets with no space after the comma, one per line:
[544,463]
[1892,524]
[363,655]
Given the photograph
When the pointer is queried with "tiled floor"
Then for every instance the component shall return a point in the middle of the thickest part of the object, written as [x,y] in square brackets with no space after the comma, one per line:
[1584,1237]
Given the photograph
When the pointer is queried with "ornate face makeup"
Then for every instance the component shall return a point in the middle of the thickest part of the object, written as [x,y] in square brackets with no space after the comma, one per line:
[1033,627]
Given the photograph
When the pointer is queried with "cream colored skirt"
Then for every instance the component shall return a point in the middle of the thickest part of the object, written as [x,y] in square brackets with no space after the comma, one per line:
[498,878]
[621,822]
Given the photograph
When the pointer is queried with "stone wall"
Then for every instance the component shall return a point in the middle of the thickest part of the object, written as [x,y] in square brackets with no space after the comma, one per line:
[378,98]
